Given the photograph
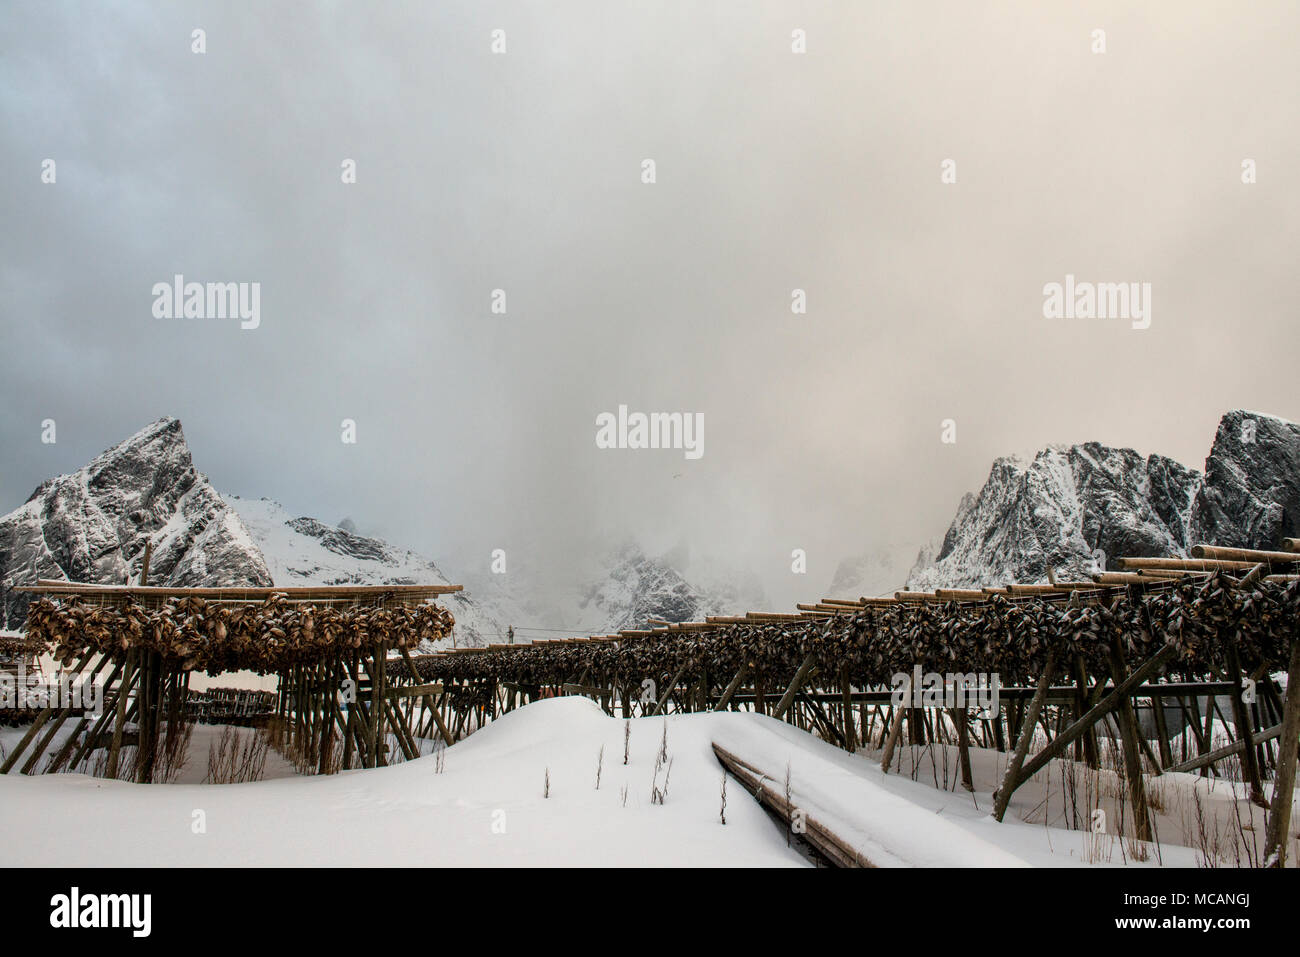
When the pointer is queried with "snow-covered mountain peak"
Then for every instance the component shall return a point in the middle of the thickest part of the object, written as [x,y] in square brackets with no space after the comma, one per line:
[1074,508]
[92,525]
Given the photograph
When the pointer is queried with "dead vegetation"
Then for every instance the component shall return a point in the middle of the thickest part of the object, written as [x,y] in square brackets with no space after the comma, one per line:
[238,756]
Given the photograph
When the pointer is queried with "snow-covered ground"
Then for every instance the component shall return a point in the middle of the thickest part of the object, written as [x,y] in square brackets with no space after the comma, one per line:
[484,802]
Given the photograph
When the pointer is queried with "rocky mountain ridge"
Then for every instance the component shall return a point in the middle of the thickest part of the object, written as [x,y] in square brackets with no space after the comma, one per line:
[92,524]
[1073,509]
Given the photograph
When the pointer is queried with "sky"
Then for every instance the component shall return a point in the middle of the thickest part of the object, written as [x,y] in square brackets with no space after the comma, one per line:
[524,170]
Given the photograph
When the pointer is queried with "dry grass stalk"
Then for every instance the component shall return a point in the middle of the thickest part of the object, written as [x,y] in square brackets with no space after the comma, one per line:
[236,758]
[722,812]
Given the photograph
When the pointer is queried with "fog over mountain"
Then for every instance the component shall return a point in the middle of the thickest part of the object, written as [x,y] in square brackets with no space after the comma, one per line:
[1069,509]
[93,525]
[522,172]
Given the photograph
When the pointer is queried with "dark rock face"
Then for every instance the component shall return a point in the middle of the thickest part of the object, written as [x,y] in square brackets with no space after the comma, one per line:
[343,542]
[640,588]
[1073,509]
[92,525]
[1251,494]
[1069,509]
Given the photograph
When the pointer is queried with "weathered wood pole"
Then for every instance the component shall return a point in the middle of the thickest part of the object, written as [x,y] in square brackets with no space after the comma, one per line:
[1129,736]
[730,691]
[668,689]
[44,743]
[1012,777]
[1241,718]
[71,743]
[1279,815]
[378,739]
[895,731]
[797,682]
[1086,748]
[38,724]
[846,702]
[129,676]
[961,719]
[328,704]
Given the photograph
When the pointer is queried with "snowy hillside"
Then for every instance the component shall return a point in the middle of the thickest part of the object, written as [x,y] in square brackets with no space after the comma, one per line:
[305,551]
[622,589]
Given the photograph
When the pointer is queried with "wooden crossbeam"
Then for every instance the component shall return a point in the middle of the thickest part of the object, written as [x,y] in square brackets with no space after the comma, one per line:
[731,687]
[299,593]
[1011,778]
[1097,712]
[1277,833]
[834,848]
[796,683]
[1252,555]
[960,594]
[1227,751]
[579,689]
[1186,564]
[663,699]
[412,691]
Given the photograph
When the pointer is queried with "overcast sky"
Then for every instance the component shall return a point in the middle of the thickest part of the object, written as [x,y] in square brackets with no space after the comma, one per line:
[523,171]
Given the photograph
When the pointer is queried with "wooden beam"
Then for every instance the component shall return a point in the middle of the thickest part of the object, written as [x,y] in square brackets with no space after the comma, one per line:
[1097,712]
[1011,777]
[895,731]
[1227,751]
[1279,814]
[1252,555]
[44,715]
[1245,729]
[412,691]
[846,711]
[834,848]
[44,743]
[1130,738]
[124,684]
[301,593]
[663,700]
[732,687]
[1184,564]
[800,676]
